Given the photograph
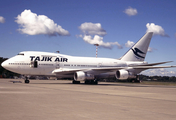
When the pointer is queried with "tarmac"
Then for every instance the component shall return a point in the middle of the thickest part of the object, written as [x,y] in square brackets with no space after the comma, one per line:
[62,100]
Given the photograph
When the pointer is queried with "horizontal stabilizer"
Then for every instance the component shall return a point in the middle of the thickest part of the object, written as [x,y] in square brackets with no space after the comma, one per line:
[152,64]
[152,67]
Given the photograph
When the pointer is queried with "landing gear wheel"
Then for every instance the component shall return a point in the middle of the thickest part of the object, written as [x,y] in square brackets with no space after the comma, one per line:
[75,82]
[26,81]
[95,82]
[91,82]
[135,81]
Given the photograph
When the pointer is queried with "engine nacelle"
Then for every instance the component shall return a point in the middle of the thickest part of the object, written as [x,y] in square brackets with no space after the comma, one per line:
[80,76]
[123,75]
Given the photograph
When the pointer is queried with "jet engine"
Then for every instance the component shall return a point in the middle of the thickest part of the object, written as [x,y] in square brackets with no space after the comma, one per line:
[124,75]
[80,76]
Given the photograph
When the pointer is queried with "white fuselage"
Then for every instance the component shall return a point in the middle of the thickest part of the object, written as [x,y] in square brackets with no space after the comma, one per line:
[23,63]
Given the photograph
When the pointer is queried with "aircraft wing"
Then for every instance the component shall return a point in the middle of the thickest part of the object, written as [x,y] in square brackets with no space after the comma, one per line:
[105,69]
[97,70]
[63,71]
[109,69]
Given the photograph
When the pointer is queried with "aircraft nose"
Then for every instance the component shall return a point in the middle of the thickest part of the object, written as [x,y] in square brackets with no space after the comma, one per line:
[4,64]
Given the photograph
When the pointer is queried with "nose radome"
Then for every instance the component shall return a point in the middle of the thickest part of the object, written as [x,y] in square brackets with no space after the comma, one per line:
[4,64]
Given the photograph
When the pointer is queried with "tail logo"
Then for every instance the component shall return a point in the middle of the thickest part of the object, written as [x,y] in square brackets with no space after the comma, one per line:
[136,51]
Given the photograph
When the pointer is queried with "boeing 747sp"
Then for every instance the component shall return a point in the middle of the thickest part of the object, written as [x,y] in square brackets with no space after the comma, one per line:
[86,69]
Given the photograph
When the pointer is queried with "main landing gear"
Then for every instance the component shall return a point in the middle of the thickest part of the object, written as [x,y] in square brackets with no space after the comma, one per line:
[75,82]
[26,80]
[90,82]
[136,80]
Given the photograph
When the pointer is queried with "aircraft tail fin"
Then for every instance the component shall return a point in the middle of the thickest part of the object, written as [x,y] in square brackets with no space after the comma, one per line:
[139,50]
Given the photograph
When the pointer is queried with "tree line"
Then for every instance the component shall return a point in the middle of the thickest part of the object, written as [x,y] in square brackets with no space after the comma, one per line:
[158,78]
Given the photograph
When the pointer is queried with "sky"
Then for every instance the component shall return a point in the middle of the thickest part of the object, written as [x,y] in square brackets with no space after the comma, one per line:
[74,26]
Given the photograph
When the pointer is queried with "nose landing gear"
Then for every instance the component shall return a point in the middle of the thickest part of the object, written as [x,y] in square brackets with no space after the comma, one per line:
[26,80]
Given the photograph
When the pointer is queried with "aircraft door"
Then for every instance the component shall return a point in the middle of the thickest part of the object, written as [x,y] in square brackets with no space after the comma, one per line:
[34,64]
[99,64]
[57,65]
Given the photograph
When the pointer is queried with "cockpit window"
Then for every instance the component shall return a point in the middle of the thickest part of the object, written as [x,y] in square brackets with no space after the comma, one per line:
[20,54]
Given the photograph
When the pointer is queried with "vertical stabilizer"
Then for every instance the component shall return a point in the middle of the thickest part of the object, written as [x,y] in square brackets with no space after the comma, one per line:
[139,50]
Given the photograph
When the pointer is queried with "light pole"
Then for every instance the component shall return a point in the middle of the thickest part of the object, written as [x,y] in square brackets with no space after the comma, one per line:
[96,49]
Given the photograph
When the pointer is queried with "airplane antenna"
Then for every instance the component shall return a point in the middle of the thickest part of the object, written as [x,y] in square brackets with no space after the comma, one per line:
[96,49]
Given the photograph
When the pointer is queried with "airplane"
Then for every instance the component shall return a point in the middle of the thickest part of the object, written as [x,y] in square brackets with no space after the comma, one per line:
[87,69]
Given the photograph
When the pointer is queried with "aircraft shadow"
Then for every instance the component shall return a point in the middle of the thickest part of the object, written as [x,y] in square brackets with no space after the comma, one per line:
[99,84]
[107,84]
